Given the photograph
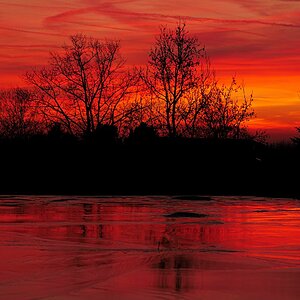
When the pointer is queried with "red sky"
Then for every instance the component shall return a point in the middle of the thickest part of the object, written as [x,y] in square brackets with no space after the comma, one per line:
[256,40]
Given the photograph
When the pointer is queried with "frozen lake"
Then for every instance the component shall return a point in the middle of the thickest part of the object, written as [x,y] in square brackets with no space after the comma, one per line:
[134,248]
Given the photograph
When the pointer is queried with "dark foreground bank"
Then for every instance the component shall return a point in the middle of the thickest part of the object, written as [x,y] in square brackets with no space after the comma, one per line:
[164,166]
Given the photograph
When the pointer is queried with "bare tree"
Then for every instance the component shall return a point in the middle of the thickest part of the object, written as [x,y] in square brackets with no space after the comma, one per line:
[226,112]
[185,95]
[84,85]
[172,73]
[198,100]
[19,117]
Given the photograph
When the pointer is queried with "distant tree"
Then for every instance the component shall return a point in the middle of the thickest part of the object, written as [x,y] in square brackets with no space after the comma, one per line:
[226,112]
[143,109]
[83,85]
[296,139]
[172,73]
[259,136]
[19,117]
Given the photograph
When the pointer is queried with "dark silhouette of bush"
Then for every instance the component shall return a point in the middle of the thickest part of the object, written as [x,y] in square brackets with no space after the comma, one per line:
[57,135]
[143,134]
[105,134]
[56,132]
[296,139]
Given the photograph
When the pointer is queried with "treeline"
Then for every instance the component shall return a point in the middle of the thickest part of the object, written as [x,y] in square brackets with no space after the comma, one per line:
[87,89]
[61,163]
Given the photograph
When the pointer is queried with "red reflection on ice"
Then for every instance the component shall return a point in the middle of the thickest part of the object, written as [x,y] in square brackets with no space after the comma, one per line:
[89,248]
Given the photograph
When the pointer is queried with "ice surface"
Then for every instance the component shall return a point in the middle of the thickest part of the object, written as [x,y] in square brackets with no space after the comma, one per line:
[127,248]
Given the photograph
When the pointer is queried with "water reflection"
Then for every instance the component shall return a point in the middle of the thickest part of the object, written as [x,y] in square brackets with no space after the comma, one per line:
[180,279]
[101,248]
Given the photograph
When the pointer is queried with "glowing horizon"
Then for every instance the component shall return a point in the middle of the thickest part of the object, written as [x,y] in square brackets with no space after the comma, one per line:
[255,40]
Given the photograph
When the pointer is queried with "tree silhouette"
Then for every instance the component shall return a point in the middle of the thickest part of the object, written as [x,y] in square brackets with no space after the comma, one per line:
[296,139]
[86,86]
[198,100]
[171,73]
[83,85]
[184,96]
[19,116]
[225,115]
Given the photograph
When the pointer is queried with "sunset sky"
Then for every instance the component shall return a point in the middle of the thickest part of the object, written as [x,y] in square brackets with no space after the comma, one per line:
[256,40]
